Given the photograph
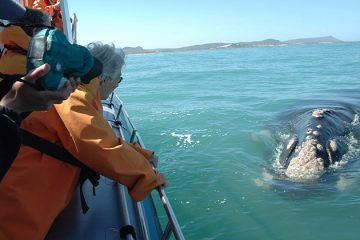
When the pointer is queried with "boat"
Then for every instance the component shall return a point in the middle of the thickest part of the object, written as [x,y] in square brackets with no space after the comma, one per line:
[113,214]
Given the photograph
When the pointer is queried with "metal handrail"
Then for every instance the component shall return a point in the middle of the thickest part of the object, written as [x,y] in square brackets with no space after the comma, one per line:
[175,226]
[66,20]
[74,21]
[143,224]
[124,213]
[139,209]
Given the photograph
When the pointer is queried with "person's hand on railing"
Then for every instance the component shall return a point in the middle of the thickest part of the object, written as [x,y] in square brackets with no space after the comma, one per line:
[154,160]
[165,181]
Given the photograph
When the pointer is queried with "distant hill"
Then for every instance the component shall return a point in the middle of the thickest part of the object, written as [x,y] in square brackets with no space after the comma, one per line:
[208,46]
[328,39]
[135,50]
[264,43]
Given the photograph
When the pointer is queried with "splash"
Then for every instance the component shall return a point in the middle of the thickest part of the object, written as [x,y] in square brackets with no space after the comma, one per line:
[184,139]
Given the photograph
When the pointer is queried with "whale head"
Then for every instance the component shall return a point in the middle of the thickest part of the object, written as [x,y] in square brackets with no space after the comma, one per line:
[315,146]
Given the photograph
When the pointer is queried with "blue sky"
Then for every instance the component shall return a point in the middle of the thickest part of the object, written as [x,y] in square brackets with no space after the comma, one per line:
[170,23]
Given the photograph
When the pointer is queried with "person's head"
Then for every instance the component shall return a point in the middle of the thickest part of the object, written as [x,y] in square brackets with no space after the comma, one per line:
[113,61]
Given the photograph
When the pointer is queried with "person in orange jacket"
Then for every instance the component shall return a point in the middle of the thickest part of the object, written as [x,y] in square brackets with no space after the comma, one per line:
[28,3]
[38,187]
[52,7]
[16,42]
[17,97]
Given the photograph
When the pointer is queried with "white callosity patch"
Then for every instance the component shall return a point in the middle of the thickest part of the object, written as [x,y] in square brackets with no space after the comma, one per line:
[316,133]
[333,145]
[306,166]
[319,147]
[319,113]
[291,143]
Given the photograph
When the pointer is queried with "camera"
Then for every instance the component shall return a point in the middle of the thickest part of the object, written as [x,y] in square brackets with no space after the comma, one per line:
[51,46]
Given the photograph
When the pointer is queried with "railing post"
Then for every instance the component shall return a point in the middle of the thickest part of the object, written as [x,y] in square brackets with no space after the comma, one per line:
[133,135]
[111,98]
[118,113]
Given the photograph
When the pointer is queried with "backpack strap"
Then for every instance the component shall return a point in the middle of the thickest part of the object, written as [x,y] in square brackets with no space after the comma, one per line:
[23,24]
[62,154]
[16,49]
[7,81]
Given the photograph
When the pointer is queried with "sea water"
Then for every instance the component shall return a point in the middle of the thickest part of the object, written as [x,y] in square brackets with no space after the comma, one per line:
[214,119]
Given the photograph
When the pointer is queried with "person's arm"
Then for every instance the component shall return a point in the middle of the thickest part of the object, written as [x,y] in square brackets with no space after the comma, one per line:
[91,140]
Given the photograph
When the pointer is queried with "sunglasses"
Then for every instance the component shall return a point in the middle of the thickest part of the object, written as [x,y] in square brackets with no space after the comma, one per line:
[110,79]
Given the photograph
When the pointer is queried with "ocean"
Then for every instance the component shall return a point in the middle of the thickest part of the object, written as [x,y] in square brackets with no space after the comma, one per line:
[217,118]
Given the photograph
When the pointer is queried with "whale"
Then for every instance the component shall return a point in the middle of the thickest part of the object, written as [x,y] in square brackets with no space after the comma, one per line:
[319,139]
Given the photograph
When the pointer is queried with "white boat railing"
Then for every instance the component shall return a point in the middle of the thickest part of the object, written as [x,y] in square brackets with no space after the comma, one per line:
[66,20]
[173,225]
[74,28]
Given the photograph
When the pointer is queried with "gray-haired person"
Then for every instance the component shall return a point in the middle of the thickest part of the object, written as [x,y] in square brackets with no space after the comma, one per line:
[113,61]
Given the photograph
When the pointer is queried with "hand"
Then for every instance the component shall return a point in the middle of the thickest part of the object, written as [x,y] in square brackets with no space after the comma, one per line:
[154,160]
[24,98]
[165,184]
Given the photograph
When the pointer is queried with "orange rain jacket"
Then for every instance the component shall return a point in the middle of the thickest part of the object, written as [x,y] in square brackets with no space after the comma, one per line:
[13,60]
[38,187]
[47,7]
[28,3]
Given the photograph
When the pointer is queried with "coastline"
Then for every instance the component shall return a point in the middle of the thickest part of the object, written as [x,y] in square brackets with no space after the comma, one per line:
[215,46]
